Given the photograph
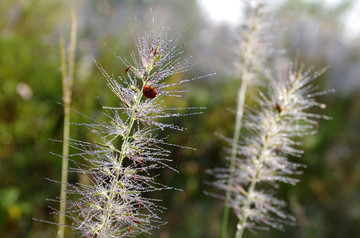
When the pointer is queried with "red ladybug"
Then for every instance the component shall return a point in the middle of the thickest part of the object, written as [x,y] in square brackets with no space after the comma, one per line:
[149,92]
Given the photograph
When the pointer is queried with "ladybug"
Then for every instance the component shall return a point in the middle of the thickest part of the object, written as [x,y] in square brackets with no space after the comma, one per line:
[149,92]
[279,107]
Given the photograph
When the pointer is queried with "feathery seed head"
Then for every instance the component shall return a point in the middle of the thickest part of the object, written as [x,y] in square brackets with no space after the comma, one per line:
[255,41]
[119,163]
[264,153]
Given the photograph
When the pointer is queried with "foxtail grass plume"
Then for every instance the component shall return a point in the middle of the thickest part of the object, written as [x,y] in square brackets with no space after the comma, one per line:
[255,42]
[123,159]
[255,51]
[263,161]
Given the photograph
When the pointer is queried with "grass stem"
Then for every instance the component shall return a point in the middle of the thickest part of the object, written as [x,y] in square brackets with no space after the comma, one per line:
[236,137]
[67,72]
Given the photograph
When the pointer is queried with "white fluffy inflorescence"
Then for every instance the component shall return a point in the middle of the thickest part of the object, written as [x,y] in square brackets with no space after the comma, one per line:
[263,157]
[255,43]
[120,163]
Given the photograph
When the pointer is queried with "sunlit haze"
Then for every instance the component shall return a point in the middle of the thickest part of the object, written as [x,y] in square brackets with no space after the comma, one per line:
[227,11]
[230,11]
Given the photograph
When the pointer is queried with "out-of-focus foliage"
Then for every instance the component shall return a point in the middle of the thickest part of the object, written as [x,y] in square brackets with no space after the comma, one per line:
[29,113]
[326,202]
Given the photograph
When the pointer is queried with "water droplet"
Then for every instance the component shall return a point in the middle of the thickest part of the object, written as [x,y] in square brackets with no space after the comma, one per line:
[238,226]
[322,106]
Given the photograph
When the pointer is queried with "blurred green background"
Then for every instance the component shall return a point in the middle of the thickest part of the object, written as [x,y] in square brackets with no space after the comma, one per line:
[327,200]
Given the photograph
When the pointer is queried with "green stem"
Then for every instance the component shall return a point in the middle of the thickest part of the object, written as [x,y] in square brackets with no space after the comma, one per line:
[236,137]
[125,143]
[67,83]
[244,75]
[259,160]
[242,221]
[123,147]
